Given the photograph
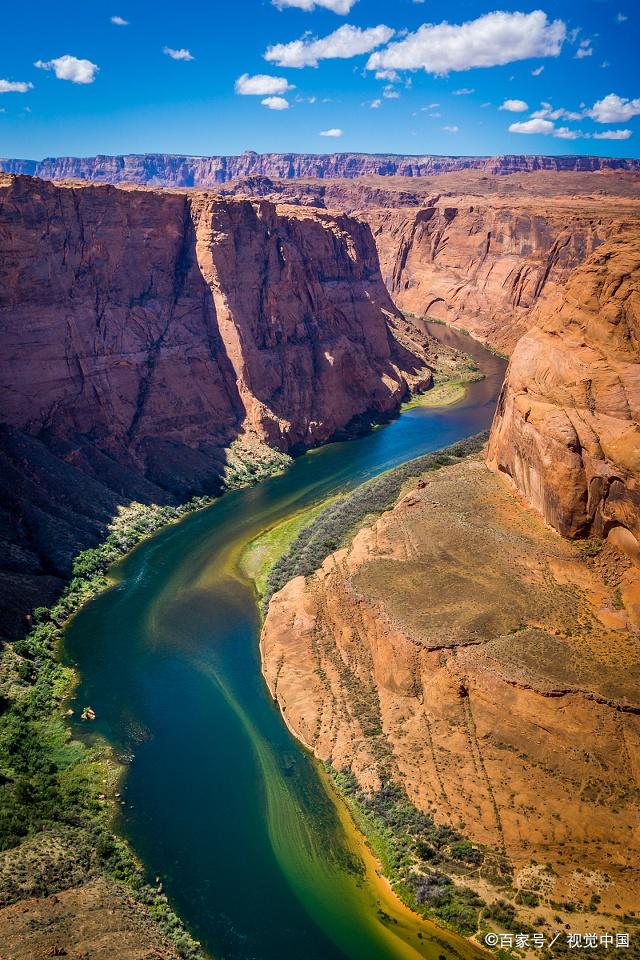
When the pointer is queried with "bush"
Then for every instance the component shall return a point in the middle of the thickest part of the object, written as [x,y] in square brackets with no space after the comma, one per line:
[528,899]
[502,912]
[404,837]
[466,852]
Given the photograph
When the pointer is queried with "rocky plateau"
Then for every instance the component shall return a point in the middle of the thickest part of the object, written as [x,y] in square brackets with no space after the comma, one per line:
[171,170]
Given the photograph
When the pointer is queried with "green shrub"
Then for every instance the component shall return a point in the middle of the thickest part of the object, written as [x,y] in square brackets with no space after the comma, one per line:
[332,526]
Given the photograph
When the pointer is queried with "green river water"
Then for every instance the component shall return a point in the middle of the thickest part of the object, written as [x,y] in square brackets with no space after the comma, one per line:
[255,853]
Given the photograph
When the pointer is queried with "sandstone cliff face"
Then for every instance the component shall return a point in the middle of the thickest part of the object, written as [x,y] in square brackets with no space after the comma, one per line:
[567,427]
[482,267]
[476,251]
[142,332]
[461,648]
[142,319]
[158,169]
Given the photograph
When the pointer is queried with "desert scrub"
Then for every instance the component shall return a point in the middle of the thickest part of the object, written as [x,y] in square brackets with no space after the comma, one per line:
[250,460]
[333,525]
[590,547]
[415,853]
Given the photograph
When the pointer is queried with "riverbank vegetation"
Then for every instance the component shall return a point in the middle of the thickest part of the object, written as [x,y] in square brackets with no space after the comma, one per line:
[263,552]
[337,522]
[419,858]
[56,791]
[443,394]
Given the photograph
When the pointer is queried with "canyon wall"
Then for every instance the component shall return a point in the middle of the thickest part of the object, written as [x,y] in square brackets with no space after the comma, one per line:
[460,648]
[483,267]
[477,252]
[567,427]
[142,332]
[160,169]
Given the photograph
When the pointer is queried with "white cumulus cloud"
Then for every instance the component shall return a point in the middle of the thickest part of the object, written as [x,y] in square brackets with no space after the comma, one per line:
[261,84]
[564,133]
[514,106]
[15,86]
[584,50]
[275,103]
[547,112]
[612,135]
[332,132]
[336,6]
[532,126]
[463,91]
[375,104]
[119,21]
[451,129]
[391,75]
[614,109]
[181,54]
[70,68]
[537,71]
[493,39]
[345,42]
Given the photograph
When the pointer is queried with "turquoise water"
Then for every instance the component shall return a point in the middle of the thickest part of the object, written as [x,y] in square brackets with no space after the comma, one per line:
[220,800]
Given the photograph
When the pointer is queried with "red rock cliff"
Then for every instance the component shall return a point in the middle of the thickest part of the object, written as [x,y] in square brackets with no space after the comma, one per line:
[142,332]
[483,267]
[567,428]
[161,169]
[156,320]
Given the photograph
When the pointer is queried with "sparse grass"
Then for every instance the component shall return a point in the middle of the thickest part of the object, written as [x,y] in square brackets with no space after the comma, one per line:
[590,547]
[263,552]
[414,852]
[334,524]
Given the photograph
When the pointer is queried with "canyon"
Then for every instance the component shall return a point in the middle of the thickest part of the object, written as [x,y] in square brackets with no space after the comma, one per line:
[144,334]
[459,644]
[170,170]
[476,251]
[476,642]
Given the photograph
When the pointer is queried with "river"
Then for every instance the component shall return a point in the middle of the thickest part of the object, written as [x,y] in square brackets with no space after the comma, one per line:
[254,852]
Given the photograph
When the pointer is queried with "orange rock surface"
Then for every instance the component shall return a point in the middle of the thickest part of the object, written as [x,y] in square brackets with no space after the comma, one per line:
[464,649]
[567,427]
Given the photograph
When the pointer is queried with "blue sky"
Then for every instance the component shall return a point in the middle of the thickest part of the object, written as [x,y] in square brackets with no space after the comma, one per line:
[558,76]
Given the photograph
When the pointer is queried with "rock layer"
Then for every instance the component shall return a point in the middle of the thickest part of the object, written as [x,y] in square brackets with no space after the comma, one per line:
[567,427]
[142,332]
[478,252]
[161,169]
[482,267]
[461,648]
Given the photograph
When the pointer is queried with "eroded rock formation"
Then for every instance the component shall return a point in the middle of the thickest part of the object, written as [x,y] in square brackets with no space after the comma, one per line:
[142,332]
[461,648]
[482,267]
[567,428]
[478,252]
[162,169]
